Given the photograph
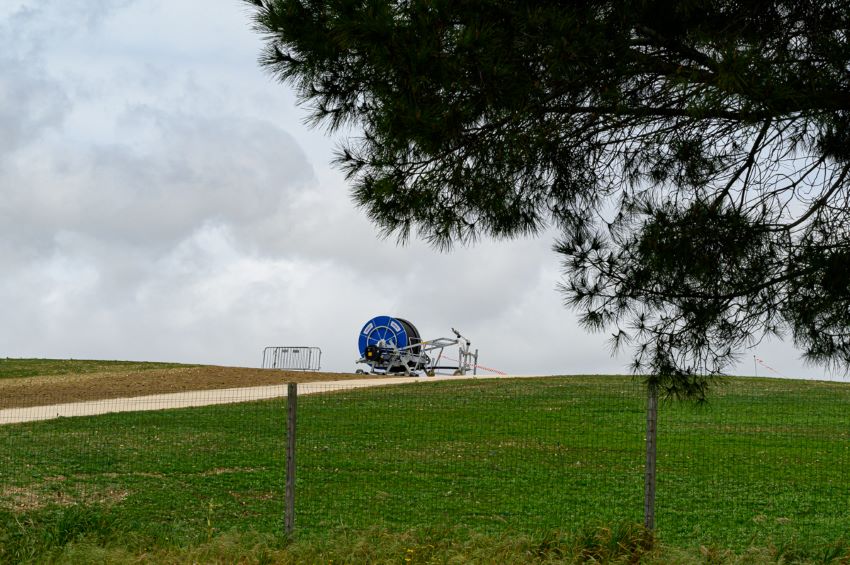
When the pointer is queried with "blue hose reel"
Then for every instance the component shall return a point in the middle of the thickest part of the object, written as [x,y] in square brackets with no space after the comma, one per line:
[391,345]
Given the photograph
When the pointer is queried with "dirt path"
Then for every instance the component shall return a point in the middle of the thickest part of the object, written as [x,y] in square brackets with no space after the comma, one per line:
[208,397]
[60,389]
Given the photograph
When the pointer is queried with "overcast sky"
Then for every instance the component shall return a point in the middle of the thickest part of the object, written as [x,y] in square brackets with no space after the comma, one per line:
[161,200]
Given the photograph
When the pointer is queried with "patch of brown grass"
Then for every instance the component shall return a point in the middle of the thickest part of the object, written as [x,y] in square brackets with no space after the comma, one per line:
[59,389]
[25,499]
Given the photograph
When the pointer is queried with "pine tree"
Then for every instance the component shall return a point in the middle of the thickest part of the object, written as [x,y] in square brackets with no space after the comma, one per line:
[693,155]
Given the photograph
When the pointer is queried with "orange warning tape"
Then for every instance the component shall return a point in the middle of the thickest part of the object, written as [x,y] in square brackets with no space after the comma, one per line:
[766,366]
[497,371]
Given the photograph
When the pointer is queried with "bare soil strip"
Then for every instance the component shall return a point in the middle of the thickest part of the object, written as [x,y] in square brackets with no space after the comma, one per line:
[61,389]
[196,398]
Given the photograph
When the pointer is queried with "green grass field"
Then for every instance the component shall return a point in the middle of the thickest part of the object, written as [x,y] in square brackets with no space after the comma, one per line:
[531,468]
[21,368]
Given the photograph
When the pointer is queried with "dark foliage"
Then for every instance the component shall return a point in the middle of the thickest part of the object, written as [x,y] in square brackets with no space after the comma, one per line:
[694,155]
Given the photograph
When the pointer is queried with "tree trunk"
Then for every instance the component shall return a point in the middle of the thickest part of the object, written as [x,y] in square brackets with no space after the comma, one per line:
[649,482]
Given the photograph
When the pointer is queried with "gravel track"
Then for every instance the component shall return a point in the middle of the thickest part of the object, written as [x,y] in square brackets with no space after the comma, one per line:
[76,387]
[207,397]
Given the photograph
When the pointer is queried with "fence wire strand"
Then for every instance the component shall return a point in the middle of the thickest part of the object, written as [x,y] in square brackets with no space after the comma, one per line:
[763,459]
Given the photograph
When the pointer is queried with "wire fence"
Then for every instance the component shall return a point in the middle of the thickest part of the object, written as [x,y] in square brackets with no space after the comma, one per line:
[146,471]
[763,460]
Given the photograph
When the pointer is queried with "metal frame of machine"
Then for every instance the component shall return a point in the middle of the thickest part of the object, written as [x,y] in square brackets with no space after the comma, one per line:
[393,346]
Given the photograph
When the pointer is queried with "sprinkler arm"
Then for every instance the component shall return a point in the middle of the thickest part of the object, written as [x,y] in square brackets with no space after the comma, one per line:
[457,333]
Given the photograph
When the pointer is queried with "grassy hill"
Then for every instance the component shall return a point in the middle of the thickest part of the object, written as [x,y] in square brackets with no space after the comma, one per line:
[24,368]
[39,382]
[518,471]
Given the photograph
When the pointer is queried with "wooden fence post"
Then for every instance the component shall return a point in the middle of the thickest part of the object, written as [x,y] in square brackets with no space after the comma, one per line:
[649,482]
[292,410]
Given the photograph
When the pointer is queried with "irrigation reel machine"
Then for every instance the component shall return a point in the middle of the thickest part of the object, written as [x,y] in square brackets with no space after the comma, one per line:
[393,346]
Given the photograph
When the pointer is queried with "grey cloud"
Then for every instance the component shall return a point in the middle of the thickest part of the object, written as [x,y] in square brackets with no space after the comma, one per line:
[30,103]
[34,24]
[232,171]
[31,100]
